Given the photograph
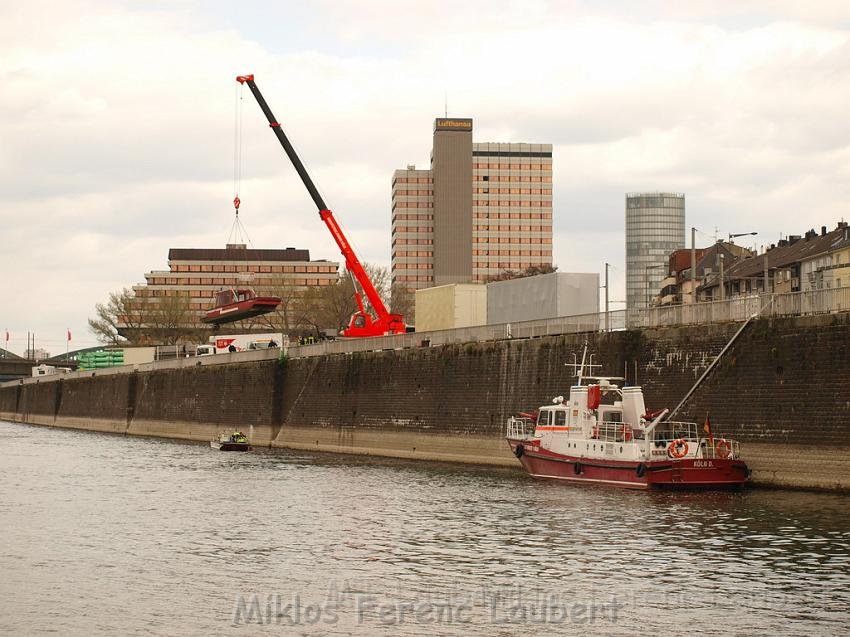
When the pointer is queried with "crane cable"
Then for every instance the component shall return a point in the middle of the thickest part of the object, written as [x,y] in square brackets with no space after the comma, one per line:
[237,230]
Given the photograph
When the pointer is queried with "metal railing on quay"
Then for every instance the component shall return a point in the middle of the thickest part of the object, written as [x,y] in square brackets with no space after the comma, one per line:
[735,309]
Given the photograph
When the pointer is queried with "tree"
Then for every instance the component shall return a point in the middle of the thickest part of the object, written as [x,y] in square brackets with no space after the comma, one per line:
[127,319]
[331,306]
[286,317]
[119,320]
[169,321]
[532,270]
[403,301]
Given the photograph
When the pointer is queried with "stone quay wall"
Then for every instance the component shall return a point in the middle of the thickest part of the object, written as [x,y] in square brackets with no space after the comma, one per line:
[781,390]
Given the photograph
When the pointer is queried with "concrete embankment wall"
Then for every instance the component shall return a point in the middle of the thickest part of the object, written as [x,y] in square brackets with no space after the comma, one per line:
[182,399]
[780,390]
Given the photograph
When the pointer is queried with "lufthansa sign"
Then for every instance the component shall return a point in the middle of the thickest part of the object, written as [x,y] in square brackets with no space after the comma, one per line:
[464,124]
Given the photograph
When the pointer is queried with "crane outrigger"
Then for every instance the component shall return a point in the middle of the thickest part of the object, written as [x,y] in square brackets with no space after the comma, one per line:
[362,323]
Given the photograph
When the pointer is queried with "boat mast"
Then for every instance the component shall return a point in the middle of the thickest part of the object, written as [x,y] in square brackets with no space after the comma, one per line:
[581,368]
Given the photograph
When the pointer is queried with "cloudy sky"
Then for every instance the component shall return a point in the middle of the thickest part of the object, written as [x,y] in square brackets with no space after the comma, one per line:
[117,125]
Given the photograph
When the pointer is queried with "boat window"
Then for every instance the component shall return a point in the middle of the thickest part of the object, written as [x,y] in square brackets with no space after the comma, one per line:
[612,416]
[561,418]
[543,419]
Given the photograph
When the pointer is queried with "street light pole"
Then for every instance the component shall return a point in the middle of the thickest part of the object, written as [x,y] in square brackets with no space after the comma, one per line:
[693,265]
[740,234]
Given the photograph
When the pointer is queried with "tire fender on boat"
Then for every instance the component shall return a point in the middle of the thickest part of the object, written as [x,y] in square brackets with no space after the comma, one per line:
[640,470]
[519,451]
[577,468]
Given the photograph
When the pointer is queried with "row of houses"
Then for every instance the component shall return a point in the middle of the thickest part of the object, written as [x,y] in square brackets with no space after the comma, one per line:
[800,263]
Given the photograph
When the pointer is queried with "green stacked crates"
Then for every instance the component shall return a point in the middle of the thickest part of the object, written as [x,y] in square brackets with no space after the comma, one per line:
[101,359]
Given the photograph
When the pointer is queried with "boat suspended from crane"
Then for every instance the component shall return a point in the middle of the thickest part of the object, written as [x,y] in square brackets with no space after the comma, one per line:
[236,304]
[362,323]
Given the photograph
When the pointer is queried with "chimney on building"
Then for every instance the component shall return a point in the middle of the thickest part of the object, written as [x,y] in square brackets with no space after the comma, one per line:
[794,238]
[823,231]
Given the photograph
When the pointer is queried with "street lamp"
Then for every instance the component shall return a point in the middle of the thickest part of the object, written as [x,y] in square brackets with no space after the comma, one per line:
[646,270]
[740,234]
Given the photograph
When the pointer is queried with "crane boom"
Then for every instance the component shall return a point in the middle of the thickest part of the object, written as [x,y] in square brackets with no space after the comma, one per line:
[362,323]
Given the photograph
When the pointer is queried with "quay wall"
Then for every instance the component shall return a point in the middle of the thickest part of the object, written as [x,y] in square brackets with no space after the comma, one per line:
[780,390]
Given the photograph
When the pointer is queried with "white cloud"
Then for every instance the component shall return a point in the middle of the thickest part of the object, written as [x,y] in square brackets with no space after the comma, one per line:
[116,124]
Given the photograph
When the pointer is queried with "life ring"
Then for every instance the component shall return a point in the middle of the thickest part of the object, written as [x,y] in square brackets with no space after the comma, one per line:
[640,470]
[678,448]
[723,448]
[519,451]
[577,468]
[626,433]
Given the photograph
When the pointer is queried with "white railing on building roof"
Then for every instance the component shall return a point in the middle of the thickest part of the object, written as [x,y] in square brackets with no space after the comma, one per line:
[734,309]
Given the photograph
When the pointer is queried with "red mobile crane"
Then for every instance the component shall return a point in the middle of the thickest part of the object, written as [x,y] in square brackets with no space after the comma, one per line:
[362,322]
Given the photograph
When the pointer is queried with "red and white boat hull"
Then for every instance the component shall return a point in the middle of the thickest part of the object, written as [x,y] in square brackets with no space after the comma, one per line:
[685,473]
[241,310]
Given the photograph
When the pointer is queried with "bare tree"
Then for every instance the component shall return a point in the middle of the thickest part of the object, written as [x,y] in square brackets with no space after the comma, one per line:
[120,320]
[170,320]
[532,270]
[286,317]
[127,319]
[403,301]
[331,306]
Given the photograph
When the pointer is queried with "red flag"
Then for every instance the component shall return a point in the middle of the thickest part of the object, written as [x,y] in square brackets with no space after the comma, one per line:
[707,429]
[69,335]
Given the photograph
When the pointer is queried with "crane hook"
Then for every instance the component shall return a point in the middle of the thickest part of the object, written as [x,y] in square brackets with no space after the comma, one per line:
[236,202]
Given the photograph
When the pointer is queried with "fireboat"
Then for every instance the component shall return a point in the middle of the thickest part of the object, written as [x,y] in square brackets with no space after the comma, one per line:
[603,433]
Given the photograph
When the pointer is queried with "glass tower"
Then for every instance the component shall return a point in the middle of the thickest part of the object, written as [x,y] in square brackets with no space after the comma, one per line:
[655,227]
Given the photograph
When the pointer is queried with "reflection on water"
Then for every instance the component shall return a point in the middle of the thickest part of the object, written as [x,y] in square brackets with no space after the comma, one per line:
[107,534]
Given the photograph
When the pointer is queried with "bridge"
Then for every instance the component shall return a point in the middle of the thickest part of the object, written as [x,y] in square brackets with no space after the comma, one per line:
[13,367]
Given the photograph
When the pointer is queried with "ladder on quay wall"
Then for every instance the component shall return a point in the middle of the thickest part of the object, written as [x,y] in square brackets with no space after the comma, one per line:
[716,360]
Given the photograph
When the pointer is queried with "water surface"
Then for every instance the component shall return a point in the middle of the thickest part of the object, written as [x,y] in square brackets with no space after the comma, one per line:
[107,534]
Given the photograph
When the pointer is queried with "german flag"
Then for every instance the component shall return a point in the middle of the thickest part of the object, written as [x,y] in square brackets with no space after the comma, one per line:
[707,429]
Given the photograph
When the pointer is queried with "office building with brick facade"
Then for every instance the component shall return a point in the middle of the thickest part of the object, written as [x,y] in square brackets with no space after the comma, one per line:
[480,209]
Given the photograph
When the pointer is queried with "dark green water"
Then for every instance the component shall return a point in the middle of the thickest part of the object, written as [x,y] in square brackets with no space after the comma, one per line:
[118,535]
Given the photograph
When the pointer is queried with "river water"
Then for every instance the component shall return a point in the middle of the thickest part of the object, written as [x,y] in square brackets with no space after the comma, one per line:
[107,534]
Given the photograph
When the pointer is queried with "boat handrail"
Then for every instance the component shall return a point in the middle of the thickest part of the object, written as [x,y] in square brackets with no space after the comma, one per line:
[520,427]
[723,449]
[616,432]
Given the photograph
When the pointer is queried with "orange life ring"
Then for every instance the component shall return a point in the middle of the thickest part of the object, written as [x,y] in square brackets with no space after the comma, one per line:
[674,451]
[723,448]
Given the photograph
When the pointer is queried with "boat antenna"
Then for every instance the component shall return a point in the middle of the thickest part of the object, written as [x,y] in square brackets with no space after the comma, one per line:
[583,356]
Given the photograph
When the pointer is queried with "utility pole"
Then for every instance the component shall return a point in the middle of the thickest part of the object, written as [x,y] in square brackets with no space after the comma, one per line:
[693,265]
[607,322]
[722,288]
[766,275]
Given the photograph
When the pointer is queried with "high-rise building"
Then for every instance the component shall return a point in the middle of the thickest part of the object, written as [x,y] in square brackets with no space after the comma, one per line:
[655,227]
[480,209]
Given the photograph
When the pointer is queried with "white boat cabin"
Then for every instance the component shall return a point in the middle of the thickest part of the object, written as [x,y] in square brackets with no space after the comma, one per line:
[605,421]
